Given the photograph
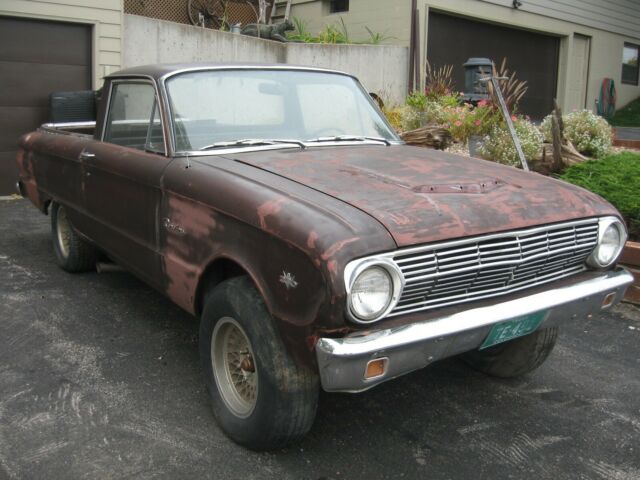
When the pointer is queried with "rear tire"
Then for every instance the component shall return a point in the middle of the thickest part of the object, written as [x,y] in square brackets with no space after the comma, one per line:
[260,397]
[515,357]
[73,253]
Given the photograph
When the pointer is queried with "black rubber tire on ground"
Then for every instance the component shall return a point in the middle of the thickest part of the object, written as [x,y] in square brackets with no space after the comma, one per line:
[287,394]
[515,357]
[73,253]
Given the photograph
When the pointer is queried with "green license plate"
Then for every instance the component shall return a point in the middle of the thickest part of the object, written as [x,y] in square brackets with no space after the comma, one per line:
[517,327]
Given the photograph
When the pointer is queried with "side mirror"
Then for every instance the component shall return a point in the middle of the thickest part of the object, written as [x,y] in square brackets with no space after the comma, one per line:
[377,98]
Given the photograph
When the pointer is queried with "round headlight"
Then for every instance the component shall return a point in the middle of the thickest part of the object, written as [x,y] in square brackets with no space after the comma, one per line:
[371,293]
[610,244]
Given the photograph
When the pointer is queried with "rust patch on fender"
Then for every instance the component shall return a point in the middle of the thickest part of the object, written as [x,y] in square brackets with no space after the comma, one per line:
[311,240]
[336,247]
[269,209]
[181,250]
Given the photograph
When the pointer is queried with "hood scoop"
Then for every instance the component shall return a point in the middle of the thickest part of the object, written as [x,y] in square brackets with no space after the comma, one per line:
[457,188]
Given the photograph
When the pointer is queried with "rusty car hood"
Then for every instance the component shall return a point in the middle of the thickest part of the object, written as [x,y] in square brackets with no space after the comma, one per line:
[422,195]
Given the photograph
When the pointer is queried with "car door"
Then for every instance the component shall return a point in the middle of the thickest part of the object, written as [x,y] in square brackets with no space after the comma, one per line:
[122,178]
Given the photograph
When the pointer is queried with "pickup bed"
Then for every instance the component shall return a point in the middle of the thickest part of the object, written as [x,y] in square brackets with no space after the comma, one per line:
[276,204]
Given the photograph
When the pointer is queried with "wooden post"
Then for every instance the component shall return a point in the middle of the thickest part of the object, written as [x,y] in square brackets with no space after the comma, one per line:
[557,128]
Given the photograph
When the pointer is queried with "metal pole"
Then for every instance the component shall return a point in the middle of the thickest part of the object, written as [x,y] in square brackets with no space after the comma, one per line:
[412,47]
[507,118]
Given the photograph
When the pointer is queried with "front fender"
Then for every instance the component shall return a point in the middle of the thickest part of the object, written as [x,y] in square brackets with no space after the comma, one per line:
[292,241]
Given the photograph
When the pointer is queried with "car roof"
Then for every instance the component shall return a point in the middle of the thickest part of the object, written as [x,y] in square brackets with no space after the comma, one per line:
[163,70]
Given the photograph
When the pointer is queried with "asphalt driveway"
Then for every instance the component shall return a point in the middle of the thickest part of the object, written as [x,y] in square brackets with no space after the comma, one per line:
[100,378]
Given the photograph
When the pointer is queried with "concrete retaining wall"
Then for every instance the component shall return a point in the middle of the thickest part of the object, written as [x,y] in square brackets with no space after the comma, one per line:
[381,68]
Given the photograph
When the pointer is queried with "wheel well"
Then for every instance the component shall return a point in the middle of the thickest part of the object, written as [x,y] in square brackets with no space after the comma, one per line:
[217,271]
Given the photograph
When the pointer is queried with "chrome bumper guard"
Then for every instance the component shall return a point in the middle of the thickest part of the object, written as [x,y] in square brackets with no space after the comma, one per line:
[342,361]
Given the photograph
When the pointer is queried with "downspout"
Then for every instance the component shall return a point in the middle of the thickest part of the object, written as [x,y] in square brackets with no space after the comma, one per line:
[412,47]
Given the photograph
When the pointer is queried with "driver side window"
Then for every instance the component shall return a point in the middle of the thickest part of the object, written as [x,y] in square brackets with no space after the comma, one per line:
[134,119]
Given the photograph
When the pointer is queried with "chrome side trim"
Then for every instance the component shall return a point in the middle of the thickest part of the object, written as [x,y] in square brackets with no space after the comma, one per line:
[143,79]
[251,67]
[342,361]
[69,125]
[231,150]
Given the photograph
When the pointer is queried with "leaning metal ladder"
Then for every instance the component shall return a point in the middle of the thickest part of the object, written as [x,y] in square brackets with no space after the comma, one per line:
[507,117]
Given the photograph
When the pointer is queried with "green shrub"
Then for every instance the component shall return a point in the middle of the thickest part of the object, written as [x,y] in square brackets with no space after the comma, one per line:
[331,33]
[417,100]
[420,110]
[447,111]
[615,178]
[589,133]
[335,33]
[498,145]
[462,120]
[465,120]
[628,116]
[412,118]
[395,116]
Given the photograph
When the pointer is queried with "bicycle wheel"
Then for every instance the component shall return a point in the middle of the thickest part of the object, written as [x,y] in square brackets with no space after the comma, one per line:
[207,13]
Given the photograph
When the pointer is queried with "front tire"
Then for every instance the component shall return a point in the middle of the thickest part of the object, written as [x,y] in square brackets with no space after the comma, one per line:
[515,357]
[73,253]
[260,397]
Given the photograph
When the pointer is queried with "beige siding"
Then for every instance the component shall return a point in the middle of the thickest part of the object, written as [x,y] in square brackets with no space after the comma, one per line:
[616,16]
[104,15]
[389,18]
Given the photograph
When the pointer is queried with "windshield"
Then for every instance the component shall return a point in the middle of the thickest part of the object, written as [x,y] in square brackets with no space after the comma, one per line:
[214,106]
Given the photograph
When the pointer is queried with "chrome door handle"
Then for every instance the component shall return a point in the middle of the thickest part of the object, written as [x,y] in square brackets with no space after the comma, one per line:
[87,155]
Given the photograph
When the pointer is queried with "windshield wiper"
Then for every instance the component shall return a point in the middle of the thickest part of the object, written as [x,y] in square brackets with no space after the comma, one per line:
[350,138]
[252,142]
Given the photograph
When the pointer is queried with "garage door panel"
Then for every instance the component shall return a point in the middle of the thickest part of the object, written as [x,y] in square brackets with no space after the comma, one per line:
[533,56]
[36,58]
[29,84]
[26,40]
[8,173]
[16,121]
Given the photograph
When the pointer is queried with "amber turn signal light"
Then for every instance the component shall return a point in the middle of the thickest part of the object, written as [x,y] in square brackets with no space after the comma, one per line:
[376,368]
[608,300]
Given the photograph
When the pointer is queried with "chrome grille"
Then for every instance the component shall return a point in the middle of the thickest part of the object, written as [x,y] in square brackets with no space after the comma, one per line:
[481,267]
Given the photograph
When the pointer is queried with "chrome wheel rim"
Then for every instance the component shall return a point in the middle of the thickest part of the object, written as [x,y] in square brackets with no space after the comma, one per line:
[63,231]
[234,367]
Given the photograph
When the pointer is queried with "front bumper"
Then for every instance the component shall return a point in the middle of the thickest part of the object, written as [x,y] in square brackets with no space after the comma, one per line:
[342,361]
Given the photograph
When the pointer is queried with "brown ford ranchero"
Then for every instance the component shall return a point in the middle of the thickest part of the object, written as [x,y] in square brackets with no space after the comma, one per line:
[278,205]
